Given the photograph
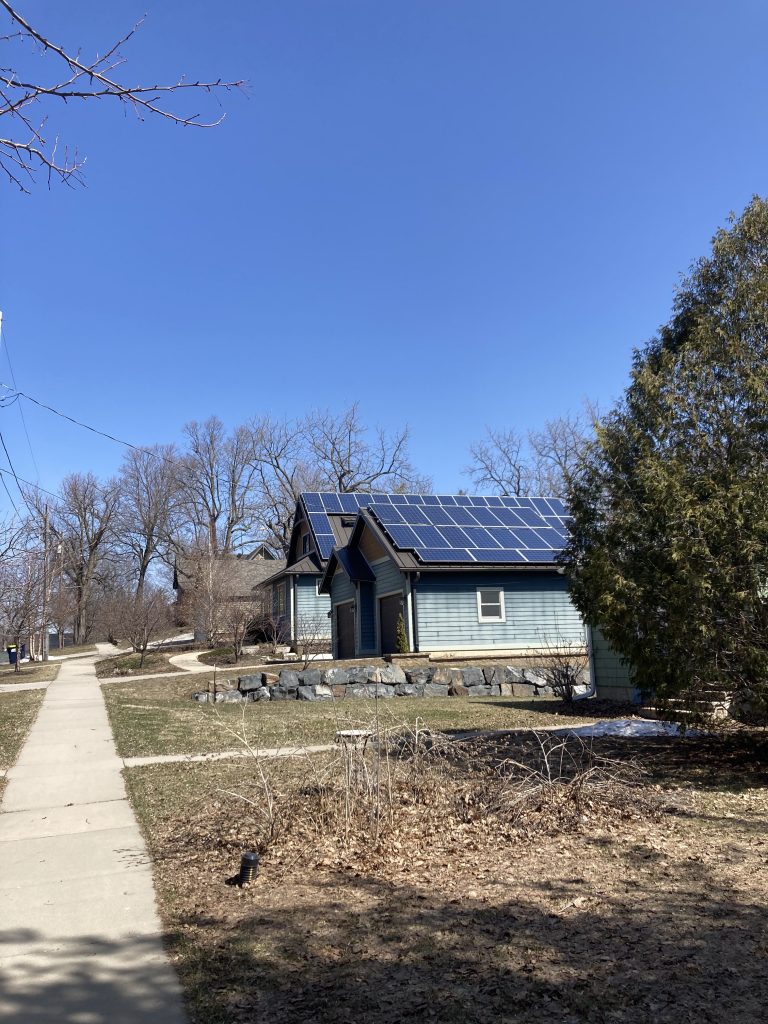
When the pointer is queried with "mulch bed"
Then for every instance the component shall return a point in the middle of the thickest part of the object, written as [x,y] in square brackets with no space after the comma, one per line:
[648,905]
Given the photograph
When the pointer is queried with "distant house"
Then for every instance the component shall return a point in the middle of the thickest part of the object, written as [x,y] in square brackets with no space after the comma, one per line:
[242,579]
[468,574]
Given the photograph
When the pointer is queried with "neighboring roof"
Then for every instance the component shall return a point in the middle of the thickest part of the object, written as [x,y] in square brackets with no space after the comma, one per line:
[306,564]
[248,571]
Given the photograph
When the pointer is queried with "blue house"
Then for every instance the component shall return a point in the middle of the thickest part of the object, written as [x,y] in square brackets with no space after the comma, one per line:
[322,521]
[469,575]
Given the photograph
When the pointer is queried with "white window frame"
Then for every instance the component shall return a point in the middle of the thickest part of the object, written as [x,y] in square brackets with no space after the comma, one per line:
[502,617]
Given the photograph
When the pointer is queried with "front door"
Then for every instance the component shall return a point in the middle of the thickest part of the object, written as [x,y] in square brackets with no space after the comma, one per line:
[390,610]
[345,630]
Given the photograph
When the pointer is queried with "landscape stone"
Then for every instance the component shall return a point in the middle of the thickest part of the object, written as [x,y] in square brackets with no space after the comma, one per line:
[473,677]
[458,690]
[505,689]
[446,675]
[248,683]
[360,673]
[323,692]
[310,677]
[418,676]
[391,674]
[289,680]
[496,689]
[435,689]
[480,690]
[336,676]
[533,675]
[370,690]
[406,690]
[339,690]
[263,694]
[523,689]
[201,697]
[231,696]
[494,675]
[512,674]
[270,678]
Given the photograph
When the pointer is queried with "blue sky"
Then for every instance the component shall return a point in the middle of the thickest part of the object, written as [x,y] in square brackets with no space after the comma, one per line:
[460,212]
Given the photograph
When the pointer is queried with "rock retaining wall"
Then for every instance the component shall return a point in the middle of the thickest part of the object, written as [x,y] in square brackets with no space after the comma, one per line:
[382,681]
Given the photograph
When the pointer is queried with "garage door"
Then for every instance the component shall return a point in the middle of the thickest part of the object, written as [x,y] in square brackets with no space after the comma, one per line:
[345,630]
[390,610]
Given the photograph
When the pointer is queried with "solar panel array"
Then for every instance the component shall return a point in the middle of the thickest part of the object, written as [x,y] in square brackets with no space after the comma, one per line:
[450,528]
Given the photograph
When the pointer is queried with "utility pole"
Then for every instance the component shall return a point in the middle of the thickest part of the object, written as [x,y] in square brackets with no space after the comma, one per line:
[45,585]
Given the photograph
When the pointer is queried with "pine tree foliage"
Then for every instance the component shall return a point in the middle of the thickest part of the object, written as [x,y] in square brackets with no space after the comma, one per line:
[401,637]
[669,551]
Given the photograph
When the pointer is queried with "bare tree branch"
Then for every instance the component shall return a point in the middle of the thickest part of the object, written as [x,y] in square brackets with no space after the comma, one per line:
[22,154]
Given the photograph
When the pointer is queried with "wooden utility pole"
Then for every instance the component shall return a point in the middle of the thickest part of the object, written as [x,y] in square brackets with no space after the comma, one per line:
[44,638]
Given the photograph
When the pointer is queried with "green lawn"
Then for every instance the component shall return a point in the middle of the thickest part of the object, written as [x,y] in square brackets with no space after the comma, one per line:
[158,716]
[17,713]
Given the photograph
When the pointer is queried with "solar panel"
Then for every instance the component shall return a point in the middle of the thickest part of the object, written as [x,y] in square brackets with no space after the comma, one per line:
[444,555]
[430,537]
[452,528]
[325,544]
[404,536]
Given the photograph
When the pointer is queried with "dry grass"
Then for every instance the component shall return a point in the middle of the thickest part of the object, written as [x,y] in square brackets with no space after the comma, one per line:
[130,664]
[32,672]
[158,716]
[649,904]
[17,713]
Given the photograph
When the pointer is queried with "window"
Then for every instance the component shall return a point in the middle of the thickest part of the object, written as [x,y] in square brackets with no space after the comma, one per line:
[318,581]
[281,598]
[490,605]
[305,544]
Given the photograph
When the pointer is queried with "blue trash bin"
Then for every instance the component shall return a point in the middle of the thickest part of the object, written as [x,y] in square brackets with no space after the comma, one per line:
[11,654]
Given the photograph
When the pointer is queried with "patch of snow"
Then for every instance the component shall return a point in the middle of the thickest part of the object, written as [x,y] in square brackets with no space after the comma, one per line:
[632,727]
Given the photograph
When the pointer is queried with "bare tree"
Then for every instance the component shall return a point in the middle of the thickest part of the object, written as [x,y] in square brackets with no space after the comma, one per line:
[500,463]
[218,473]
[148,618]
[557,448]
[21,597]
[541,463]
[37,69]
[82,521]
[349,459]
[149,510]
[283,472]
[321,452]
[312,637]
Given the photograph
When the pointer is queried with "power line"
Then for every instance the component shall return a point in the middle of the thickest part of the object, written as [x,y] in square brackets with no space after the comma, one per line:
[20,479]
[86,426]
[4,338]
[7,455]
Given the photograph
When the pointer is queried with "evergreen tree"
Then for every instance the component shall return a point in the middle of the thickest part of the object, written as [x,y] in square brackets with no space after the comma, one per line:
[669,550]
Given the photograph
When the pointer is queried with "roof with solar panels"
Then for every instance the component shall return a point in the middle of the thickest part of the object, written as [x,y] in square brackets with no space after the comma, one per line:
[442,530]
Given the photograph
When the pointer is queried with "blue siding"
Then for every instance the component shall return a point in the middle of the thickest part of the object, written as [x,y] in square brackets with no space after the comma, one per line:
[613,677]
[388,578]
[341,588]
[312,608]
[367,619]
[538,611]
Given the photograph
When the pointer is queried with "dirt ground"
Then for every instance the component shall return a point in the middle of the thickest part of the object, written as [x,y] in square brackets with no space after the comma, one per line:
[647,907]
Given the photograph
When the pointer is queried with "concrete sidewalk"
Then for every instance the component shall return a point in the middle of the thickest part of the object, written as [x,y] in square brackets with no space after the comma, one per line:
[79,932]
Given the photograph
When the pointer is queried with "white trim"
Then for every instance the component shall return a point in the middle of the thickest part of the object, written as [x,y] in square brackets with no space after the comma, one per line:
[491,618]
